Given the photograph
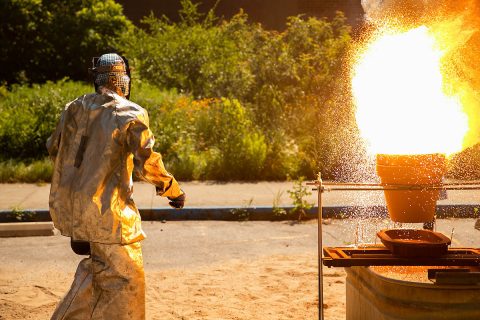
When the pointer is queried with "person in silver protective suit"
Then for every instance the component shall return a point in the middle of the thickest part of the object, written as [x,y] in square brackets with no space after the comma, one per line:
[100,140]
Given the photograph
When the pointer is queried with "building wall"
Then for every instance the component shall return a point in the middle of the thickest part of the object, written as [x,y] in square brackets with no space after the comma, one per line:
[270,13]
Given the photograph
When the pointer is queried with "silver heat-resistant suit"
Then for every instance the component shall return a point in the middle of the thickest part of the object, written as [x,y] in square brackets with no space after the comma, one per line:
[100,140]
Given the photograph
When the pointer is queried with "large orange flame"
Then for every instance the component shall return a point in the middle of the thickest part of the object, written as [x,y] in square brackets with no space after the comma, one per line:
[402,107]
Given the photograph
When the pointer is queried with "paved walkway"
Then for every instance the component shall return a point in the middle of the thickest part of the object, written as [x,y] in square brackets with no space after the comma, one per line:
[213,194]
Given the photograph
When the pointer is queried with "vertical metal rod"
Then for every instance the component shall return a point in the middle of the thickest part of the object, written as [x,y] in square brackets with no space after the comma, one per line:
[356,235]
[320,248]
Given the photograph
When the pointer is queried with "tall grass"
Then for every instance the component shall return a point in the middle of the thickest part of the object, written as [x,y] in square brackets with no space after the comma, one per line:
[29,172]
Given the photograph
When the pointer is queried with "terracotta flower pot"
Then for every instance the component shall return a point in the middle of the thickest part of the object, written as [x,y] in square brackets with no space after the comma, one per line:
[411,205]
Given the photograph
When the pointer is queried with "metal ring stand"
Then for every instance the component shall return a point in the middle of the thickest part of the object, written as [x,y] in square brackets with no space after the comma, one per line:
[321,187]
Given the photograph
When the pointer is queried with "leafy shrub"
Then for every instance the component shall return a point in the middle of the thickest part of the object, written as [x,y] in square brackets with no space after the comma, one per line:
[20,171]
[207,138]
[192,56]
[200,139]
[49,40]
[227,99]
[298,194]
[29,116]
[288,82]
[241,147]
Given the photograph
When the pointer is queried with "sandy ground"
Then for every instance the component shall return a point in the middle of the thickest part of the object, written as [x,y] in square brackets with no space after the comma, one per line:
[277,287]
[194,270]
[202,270]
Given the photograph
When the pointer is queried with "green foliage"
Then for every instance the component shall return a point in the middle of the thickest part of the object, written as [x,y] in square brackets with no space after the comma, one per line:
[192,56]
[207,138]
[49,40]
[227,99]
[29,116]
[200,139]
[297,65]
[242,150]
[243,213]
[288,82]
[298,194]
[19,171]
[277,211]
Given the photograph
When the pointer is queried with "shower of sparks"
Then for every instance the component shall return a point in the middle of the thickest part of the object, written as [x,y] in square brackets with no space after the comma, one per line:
[398,88]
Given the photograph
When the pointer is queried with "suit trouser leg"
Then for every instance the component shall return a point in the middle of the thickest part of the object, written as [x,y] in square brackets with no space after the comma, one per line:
[110,284]
[118,282]
[76,304]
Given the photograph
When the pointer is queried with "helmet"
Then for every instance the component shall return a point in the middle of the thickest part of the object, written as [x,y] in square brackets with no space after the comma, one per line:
[112,71]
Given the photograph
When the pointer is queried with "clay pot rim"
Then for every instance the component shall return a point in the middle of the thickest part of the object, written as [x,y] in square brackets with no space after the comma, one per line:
[422,160]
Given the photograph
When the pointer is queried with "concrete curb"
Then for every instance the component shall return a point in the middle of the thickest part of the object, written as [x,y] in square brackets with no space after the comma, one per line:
[26,229]
[264,213]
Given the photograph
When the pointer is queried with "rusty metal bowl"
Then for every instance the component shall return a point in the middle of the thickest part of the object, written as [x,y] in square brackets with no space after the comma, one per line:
[412,243]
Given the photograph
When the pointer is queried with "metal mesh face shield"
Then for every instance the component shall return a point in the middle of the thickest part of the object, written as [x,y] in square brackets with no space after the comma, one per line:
[111,72]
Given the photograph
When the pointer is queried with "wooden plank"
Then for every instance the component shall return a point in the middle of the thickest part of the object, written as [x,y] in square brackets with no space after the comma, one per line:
[459,278]
[376,256]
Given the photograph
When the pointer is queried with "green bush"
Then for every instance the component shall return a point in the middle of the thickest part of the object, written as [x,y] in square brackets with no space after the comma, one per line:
[193,56]
[288,82]
[207,138]
[29,116]
[20,171]
[49,40]
[199,139]
[227,99]
[298,194]
[241,147]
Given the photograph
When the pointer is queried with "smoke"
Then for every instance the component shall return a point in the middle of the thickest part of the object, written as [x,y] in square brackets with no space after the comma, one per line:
[418,11]
[403,10]
[461,30]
